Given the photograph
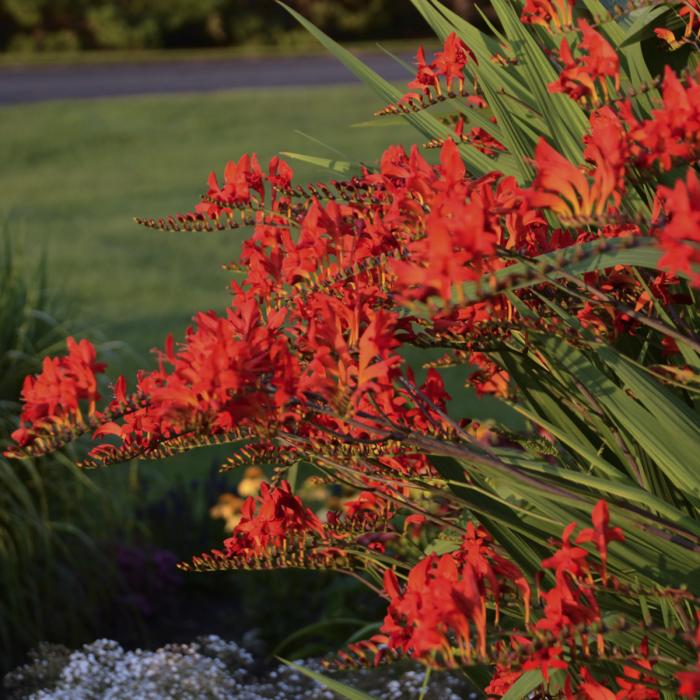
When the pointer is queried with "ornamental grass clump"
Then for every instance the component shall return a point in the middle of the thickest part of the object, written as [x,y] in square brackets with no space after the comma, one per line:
[549,259]
[56,579]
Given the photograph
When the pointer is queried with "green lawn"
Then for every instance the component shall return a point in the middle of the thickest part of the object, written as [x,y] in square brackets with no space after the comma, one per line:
[75,173]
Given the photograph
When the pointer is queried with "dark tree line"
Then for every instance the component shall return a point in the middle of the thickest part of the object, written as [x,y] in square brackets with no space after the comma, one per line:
[50,25]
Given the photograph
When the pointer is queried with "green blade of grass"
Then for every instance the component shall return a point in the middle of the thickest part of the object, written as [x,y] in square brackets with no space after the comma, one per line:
[501,521]
[575,260]
[317,627]
[566,121]
[430,127]
[664,437]
[338,166]
[529,681]
[342,689]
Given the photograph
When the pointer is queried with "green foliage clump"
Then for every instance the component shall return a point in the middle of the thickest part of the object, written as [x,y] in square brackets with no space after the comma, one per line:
[54,577]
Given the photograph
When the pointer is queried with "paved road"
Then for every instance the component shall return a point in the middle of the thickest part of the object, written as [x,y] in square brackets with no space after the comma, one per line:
[36,84]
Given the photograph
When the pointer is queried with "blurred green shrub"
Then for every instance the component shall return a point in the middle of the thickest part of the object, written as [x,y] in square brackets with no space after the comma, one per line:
[53,25]
[76,554]
[56,580]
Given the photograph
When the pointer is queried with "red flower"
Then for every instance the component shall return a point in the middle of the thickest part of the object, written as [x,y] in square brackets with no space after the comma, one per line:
[54,396]
[563,188]
[376,361]
[671,132]
[589,688]
[598,61]
[368,506]
[691,11]
[439,600]
[601,534]
[568,603]
[680,237]
[414,524]
[635,684]
[689,683]
[477,550]
[450,62]
[544,12]
[269,519]
[279,173]
[426,77]
[502,681]
[489,378]
[607,149]
[544,660]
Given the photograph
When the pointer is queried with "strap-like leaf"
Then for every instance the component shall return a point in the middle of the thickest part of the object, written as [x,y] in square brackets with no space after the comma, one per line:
[574,260]
[345,691]
[428,125]
[529,681]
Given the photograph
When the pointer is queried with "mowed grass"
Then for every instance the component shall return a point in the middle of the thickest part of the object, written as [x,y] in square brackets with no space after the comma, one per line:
[74,174]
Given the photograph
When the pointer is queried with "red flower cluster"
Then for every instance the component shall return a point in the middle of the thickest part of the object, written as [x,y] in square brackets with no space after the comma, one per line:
[308,362]
[430,229]
[441,600]
[447,64]
[680,237]
[597,62]
[277,529]
[477,549]
[52,399]
[689,681]
[444,601]
[440,615]
[669,136]
[548,12]
[270,519]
